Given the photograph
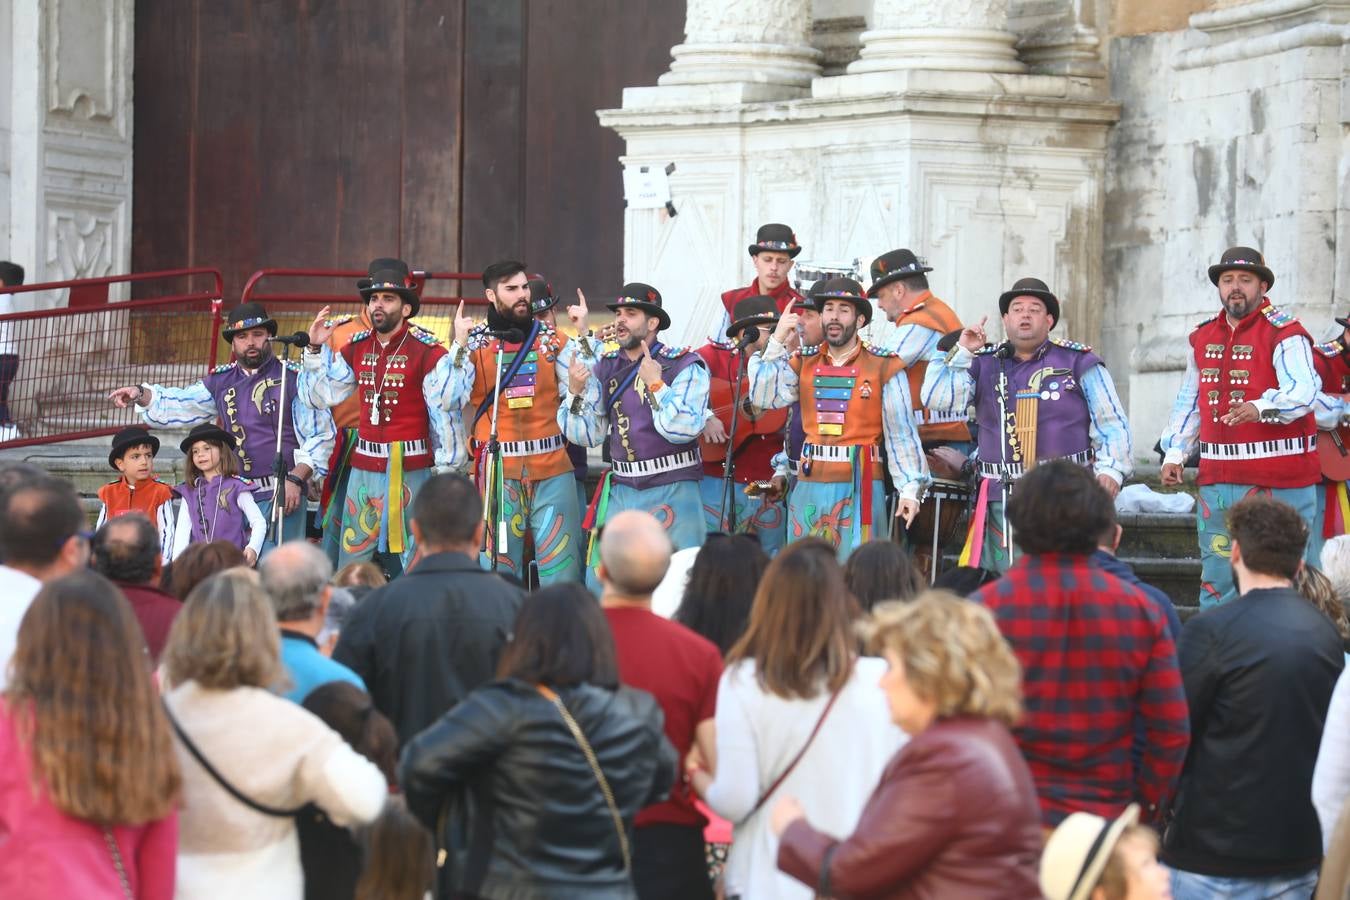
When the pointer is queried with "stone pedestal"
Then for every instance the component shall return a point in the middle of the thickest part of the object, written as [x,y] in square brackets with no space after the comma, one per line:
[65,167]
[961,35]
[737,51]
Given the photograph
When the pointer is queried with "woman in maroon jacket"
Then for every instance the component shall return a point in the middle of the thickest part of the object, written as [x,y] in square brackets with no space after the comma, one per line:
[955,814]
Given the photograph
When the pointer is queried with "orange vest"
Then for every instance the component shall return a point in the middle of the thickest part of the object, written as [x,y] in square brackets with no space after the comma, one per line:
[930,312]
[347,414]
[524,413]
[841,406]
[119,498]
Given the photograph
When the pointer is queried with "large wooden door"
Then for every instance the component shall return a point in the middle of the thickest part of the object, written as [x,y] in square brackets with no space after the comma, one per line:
[323,133]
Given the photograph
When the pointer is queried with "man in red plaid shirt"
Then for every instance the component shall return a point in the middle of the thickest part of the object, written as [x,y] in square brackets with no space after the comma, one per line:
[1095,653]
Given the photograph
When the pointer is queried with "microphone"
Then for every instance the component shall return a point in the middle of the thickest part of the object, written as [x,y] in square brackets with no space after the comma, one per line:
[299,339]
[749,334]
[1005,350]
[508,335]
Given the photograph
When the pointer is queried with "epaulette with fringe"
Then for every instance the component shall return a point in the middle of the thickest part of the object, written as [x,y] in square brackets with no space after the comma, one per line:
[722,345]
[1200,325]
[1330,348]
[426,337]
[987,350]
[1278,317]
[1071,345]
[478,337]
[339,320]
[225,368]
[813,350]
[672,352]
[877,350]
[291,364]
[610,354]
[361,336]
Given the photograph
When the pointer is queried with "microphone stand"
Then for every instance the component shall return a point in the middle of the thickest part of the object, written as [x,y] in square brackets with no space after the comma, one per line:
[728,516]
[279,468]
[495,523]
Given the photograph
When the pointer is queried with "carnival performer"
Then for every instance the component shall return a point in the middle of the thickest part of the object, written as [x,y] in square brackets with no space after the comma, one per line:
[346,419]
[532,486]
[1246,399]
[853,397]
[1036,398]
[772,254]
[217,504]
[244,396]
[1331,408]
[900,289]
[650,401]
[137,489]
[406,427]
[758,439]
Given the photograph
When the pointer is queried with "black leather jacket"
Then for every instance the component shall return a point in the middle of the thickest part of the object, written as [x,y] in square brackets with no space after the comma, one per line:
[552,832]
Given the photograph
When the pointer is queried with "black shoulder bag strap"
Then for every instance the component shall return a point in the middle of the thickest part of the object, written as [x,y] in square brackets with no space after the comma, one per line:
[220,779]
[511,372]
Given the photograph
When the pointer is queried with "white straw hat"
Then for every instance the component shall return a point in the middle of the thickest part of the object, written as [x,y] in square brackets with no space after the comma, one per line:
[1077,852]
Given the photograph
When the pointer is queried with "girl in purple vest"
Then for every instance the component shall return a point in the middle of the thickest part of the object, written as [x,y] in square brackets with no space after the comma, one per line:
[217,504]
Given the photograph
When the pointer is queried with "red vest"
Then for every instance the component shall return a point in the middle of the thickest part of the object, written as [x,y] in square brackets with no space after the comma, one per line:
[784,296]
[1333,367]
[395,373]
[1237,364]
[757,439]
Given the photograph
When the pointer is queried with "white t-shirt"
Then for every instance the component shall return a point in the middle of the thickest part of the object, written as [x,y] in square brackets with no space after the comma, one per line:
[7,343]
[17,590]
[759,733]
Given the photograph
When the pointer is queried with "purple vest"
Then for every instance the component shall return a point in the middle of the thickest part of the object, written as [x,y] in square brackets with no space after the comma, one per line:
[1062,413]
[632,432]
[213,508]
[246,403]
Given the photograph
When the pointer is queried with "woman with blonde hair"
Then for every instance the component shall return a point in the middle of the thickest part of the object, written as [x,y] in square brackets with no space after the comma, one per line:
[251,760]
[955,814]
[798,712]
[88,781]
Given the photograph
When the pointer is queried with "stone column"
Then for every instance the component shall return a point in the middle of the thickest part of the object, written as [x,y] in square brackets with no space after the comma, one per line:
[69,124]
[755,49]
[962,35]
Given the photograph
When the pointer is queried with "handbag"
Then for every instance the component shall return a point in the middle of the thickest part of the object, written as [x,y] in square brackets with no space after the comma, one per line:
[116,853]
[585,745]
[764,797]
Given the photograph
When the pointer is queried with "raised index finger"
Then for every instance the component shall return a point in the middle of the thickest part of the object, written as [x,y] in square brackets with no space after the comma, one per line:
[581,298]
[459,313]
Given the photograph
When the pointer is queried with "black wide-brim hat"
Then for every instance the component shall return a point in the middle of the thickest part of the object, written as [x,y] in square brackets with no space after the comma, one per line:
[1244,258]
[1030,287]
[246,316]
[760,310]
[893,266]
[393,276]
[643,297]
[841,289]
[206,432]
[776,237]
[542,298]
[132,436]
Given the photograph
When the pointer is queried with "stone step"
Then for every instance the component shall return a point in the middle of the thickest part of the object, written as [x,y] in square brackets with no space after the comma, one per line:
[1158,535]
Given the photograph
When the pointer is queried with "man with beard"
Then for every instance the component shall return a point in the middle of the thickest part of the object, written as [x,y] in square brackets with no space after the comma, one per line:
[759,434]
[853,397]
[1246,399]
[402,375]
[536,487]
[1036,398]
[244,396]
[772,255]
[651,401]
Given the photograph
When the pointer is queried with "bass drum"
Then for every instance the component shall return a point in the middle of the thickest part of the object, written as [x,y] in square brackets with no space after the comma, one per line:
[943,514]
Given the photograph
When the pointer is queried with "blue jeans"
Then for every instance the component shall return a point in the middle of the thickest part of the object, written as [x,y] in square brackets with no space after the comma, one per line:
[1191,886]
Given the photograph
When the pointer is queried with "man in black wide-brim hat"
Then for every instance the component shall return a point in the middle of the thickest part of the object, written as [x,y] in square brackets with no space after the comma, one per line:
[401,374]
[244,397]
[1246,400]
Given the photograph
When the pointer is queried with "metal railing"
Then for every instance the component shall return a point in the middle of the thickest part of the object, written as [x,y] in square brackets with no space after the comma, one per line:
[58,365]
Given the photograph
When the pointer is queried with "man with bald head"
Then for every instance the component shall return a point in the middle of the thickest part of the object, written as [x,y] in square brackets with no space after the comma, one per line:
[681,670]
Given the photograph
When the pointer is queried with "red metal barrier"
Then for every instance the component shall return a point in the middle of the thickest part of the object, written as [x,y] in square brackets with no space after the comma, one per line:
[294,309]
[58,365]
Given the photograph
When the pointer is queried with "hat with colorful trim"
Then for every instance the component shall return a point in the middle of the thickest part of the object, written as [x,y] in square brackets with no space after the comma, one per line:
[246,316]
[752,311]
[1030,287]
[893,266]
[841,289]
[1244,258]
[643,297]
[393,276]
[775,237]
[542,298]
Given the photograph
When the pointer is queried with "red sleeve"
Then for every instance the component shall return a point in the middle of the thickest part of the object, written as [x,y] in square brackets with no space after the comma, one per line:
[712,676]
[156,859]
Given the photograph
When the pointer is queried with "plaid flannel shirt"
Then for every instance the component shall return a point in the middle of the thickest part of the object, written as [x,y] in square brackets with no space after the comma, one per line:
[1095,653]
